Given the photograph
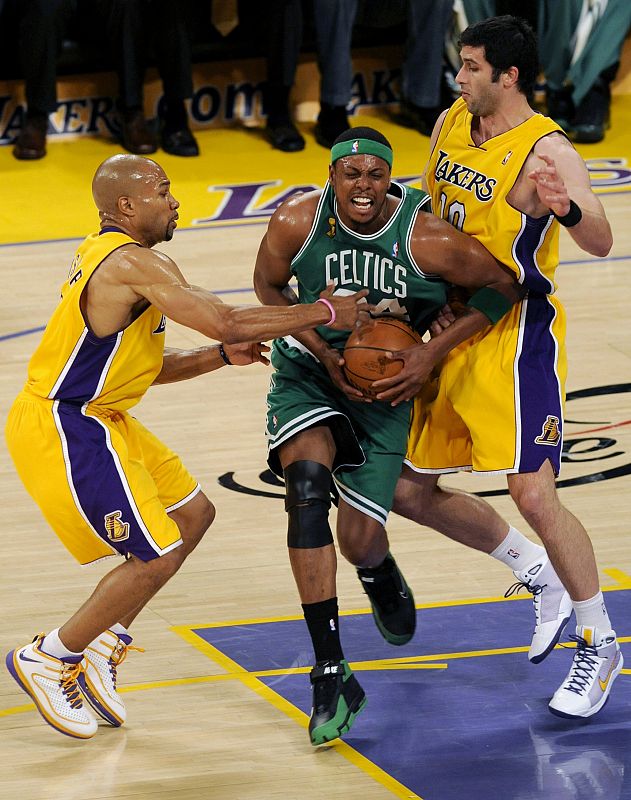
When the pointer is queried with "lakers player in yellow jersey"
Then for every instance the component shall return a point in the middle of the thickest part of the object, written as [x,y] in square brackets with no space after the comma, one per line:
[509,177]
[104,483]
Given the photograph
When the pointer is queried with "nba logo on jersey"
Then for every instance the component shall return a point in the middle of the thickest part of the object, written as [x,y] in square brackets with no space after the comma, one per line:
[116,529]
[161,325]
[550,433]
[395,249]
[355,147]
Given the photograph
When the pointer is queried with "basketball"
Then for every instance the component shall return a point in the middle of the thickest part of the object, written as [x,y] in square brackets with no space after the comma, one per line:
[364,354]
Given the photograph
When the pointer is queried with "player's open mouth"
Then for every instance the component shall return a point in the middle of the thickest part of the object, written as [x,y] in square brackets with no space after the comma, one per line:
[362,202]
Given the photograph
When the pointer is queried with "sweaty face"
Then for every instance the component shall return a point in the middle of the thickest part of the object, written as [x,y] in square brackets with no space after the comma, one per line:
[155,206]
[360,184]
[475,77]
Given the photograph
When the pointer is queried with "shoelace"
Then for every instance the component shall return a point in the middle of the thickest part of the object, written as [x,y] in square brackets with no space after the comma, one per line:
[584,665]
[119,654]
[535,590]
[68,682]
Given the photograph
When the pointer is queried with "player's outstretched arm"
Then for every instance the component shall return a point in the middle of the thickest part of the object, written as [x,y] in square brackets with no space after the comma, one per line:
[180,365]
[155,277]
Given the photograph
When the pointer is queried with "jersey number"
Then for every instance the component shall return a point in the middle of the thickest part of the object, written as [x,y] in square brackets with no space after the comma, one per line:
[454,212]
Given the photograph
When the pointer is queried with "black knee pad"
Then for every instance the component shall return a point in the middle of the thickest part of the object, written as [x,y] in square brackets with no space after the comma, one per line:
[307,503]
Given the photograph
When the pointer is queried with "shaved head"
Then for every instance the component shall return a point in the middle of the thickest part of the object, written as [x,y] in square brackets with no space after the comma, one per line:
[123,175]
[133,195]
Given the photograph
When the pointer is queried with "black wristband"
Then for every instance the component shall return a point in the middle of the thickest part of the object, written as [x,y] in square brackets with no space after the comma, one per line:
[222,353]
[572,218]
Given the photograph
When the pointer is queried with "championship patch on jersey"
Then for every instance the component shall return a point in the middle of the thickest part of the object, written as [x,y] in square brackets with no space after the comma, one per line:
[116,529]
[550,433]
[331,231]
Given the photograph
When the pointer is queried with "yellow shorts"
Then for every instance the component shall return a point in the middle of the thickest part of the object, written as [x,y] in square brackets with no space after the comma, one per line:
[104,483]
[497,403]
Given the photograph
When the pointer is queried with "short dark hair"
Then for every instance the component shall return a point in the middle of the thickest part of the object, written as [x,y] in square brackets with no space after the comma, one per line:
[362,133]
[508,42]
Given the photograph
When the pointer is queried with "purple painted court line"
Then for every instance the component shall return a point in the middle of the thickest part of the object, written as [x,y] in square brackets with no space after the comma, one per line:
[478,729]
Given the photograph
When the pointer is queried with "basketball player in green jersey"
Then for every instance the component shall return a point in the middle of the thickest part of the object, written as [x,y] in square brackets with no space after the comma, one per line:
[362,231]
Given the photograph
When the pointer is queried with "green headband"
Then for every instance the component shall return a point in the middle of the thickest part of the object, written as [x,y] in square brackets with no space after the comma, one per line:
[355,147]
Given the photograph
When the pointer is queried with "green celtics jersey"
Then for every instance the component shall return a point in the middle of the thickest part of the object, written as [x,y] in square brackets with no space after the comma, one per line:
[380,262]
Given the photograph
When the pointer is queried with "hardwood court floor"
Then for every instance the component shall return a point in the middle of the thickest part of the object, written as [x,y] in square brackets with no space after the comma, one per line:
[191,732]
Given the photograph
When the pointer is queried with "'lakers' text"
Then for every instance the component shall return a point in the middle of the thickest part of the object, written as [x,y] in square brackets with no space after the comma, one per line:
[465,177]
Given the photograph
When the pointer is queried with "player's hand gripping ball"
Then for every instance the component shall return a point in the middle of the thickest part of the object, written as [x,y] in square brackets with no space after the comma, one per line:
[365,353]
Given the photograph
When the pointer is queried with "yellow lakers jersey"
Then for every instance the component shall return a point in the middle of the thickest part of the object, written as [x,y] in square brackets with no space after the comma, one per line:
[469,185]
[73,365]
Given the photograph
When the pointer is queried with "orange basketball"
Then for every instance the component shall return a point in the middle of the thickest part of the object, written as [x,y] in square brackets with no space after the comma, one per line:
[364,355]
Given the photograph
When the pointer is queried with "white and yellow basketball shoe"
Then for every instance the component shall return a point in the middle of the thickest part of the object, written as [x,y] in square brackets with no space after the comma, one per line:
[596,663]
[552,606]
[101,660]
[53,685]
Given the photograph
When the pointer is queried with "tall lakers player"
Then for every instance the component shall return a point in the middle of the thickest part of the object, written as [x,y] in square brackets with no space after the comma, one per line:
[105,484]
[361,231]
[509,177]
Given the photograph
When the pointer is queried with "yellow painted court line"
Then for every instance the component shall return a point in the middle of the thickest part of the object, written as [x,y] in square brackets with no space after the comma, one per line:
[252,679]
[622,582]
[269,695]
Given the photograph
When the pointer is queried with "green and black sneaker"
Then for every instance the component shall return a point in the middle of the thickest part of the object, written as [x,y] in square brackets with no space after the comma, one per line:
[337,700]
[392,601]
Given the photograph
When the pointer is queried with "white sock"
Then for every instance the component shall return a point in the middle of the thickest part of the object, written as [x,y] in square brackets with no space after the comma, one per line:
[592,613]
[516,551]
[53,645]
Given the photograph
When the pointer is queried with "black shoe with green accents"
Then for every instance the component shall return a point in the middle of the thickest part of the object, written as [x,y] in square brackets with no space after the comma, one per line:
[337,700]
[392,601]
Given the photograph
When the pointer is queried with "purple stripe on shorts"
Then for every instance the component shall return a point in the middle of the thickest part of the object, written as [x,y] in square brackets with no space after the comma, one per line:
[539,388]
[98,484]
[82,379]
[526,245]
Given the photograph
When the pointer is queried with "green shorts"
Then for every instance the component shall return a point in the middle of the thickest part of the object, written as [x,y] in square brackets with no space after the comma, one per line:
[370,438]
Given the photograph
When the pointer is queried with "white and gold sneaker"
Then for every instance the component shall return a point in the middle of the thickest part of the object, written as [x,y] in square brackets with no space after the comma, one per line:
[597,661]
[552,606]
[53,685]
[101,660]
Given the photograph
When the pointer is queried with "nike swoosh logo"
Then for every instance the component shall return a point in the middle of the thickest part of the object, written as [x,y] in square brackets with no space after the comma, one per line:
[603,684]
[22,657]
[404,595]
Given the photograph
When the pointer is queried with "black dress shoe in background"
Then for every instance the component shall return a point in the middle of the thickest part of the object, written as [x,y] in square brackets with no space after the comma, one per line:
[561,107]
[332,121]
[31,142]
[418,117]
[135,134]
[592,114]
[283,135]
[179,142]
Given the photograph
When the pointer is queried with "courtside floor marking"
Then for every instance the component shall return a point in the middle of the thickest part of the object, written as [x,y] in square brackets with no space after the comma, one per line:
[253,679]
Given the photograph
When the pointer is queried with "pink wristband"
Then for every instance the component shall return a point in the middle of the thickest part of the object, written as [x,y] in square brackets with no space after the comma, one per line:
[331,309]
